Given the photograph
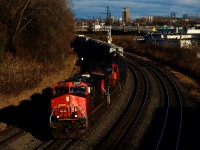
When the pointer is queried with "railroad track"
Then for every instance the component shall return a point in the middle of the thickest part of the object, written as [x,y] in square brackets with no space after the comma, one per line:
[168,136]
[165,134]
[10,134]
[59,144]
[122,128]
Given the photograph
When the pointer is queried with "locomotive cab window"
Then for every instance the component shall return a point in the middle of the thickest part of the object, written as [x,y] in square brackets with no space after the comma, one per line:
[61,90]
[78,89]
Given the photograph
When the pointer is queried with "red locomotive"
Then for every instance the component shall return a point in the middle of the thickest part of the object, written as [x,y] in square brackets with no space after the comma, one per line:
[75,100]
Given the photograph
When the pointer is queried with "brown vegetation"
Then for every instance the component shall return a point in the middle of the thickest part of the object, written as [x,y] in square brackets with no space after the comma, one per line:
[186,60]
[36,27]
[35,38]
[69,69]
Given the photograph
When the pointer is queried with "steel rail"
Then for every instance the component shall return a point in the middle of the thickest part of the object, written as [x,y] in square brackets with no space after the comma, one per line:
[58,144]
[105,141]
[13,136]
[173,84]
[179,99]
[135,120]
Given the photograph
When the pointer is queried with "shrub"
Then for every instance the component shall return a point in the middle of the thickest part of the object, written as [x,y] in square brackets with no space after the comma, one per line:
[18,74]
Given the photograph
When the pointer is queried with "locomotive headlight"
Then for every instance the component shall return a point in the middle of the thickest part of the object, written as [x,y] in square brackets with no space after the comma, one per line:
[58,116]
[67,98]
[75,116]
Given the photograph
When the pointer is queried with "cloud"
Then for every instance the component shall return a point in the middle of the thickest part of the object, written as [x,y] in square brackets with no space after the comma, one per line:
[138,8]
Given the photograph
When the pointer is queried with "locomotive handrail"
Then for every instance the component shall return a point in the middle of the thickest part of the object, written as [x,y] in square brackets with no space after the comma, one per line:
[51,115]
[83,110]
[107,94]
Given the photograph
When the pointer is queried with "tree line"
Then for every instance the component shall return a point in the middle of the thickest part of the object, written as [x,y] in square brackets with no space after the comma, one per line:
[34,32]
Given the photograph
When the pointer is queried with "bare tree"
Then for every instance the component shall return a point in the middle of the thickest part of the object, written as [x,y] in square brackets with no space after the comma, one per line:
[37,27]
[11,14]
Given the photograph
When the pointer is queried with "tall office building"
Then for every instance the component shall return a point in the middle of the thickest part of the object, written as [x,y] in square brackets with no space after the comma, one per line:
[126,15]
[173,15]
[185,16]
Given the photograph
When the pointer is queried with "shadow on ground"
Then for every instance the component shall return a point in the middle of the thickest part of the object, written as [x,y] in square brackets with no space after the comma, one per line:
[190,130]
[31,115]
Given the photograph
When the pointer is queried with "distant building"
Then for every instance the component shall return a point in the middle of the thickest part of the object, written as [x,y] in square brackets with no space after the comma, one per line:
[186,39]
[185,16]
[126,15]
[173,15]
[148,18]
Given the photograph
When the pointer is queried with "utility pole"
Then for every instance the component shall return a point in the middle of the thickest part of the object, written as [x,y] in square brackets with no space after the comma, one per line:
[108,16]
[109,38]
[108,23]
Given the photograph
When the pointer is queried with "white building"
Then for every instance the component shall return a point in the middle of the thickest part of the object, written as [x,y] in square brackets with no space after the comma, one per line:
[190,39]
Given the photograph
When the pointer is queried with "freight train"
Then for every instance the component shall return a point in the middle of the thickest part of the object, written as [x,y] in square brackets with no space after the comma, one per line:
[97,49]
[76,100]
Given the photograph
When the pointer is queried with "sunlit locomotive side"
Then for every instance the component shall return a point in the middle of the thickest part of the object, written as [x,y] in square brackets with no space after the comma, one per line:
[74,100]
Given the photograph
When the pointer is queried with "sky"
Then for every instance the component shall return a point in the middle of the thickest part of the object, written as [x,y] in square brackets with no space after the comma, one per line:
[88,9]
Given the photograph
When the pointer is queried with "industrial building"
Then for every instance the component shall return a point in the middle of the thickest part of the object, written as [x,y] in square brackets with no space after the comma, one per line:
[126,18]
[175,38]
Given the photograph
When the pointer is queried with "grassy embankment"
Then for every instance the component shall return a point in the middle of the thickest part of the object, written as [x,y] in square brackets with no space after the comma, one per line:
[20,79]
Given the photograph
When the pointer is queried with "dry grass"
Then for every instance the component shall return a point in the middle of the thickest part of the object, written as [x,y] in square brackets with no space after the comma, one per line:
[18,74]
[3,126]
[182,59]
[68,70]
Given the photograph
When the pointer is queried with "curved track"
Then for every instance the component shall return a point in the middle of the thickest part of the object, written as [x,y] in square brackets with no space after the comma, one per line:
[128,119]
[165,129]
[168,135]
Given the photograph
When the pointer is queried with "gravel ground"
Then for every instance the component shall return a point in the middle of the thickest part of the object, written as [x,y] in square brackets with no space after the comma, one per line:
[102,126]
[25,142]
[154,102]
